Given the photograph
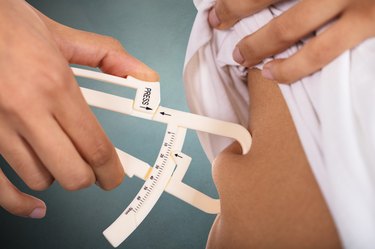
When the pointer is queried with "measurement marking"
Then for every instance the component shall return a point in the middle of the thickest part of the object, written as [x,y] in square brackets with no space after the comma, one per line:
[177,155]
[128,211]
[165,114]
[146,107]
[157,175]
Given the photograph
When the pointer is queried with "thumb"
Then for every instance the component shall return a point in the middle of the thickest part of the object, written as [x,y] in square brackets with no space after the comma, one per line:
[94,50]
[18,203]
[107,53]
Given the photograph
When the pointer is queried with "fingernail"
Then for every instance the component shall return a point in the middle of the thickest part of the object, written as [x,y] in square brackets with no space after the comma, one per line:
[237,56]
[38,213]
[213,19]
[267,73]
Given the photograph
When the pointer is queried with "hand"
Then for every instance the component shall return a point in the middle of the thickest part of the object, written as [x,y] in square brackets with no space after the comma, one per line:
[47,130]
[355,22]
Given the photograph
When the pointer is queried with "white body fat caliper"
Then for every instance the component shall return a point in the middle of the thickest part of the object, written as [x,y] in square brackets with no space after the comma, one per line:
[171,164]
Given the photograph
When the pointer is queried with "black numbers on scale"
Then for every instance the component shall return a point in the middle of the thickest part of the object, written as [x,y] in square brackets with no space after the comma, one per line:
[128,210]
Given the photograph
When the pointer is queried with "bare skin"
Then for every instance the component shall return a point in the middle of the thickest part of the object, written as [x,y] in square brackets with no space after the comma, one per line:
[269,197]
[47,131]
[354,23]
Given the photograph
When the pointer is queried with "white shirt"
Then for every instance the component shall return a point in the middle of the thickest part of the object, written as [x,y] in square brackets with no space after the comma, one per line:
[333,110]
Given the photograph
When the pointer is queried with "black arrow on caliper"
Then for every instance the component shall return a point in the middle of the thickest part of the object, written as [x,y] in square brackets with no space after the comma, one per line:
[165,114]
[177,155]
[147,108]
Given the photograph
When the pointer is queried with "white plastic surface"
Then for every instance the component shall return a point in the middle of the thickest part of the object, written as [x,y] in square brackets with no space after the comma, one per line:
[147,97]
[151,190]
[133,166]
[171,165]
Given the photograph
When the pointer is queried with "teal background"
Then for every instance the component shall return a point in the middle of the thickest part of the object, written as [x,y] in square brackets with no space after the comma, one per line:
[157,32]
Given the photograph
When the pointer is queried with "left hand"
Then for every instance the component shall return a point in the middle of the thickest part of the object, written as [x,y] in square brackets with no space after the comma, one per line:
[355,22]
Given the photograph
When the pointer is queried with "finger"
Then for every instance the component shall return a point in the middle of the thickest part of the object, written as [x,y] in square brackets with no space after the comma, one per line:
[94,50]
[57,152]
[76,118]
[18,203]
[23,160]
[286,30]
[317,53]
[226,13]
[105,52]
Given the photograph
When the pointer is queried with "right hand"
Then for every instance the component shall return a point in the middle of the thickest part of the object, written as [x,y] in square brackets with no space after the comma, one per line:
[351,20]
[47,130]
[227,13]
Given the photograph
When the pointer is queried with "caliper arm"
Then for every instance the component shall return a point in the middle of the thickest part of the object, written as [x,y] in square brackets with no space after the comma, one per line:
[171,164]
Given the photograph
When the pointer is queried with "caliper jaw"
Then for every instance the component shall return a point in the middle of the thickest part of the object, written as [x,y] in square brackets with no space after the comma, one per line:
[136,167]
[185,192]
[171,164]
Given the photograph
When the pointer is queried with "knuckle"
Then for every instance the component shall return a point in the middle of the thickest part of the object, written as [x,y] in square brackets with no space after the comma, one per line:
[283,74]
[281,31]
[286,80]
[113,43]
[53,84]
[20,101]
[80,181]
[102,155]
[36,180]
[50,81]
[316,56]
[245,8]
[30,96]
[116,181]
[227,13]
[108,187]
[248,51]
[39,184]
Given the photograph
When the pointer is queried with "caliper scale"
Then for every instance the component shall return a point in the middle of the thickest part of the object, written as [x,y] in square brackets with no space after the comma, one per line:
[171,164]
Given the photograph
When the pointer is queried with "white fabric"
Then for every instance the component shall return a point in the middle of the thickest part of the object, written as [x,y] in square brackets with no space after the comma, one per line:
[333,111]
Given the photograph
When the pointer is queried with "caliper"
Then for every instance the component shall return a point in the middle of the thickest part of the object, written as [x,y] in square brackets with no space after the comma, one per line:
[171,164]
